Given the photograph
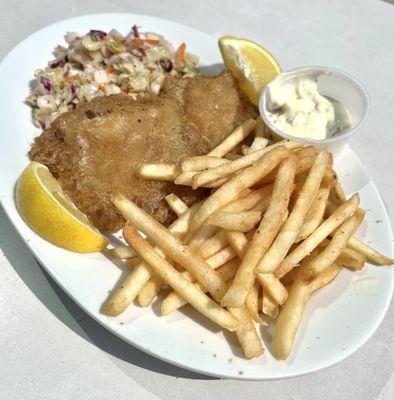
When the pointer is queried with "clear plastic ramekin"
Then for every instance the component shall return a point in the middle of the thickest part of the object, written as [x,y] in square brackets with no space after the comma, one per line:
[333,83]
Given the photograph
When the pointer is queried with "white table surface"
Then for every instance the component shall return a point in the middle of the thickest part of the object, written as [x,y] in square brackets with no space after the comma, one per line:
[50,349]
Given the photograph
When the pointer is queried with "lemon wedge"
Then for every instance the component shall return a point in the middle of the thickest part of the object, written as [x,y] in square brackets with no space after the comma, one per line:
[251,64]
[48,211]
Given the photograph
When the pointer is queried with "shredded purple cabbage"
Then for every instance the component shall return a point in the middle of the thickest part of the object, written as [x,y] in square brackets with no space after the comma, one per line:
[73,94]
[135,31]
[46,83]
[166,64]
[96,34]
[57,63]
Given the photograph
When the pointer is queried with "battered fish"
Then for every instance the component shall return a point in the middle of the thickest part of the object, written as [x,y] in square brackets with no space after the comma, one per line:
[96,150]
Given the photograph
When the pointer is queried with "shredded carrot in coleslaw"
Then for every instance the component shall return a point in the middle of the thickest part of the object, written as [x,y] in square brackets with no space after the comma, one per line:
[180,57]
[144,41]
[70,79]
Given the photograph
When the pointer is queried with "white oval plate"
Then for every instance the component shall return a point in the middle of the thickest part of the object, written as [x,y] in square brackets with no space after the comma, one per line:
[338,319]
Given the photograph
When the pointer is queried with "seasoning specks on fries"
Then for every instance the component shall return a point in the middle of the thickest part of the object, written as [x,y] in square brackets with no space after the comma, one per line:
[275,228]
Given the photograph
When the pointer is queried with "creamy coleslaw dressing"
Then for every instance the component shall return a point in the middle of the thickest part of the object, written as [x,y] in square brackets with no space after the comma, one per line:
[298,109]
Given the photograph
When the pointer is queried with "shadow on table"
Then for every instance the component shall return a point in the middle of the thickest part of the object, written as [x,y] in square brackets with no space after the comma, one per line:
[59,304]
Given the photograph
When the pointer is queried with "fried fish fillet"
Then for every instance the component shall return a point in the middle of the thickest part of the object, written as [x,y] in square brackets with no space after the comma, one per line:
[96,150]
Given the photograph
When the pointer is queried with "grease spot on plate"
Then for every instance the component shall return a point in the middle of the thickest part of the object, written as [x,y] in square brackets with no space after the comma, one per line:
[366,282]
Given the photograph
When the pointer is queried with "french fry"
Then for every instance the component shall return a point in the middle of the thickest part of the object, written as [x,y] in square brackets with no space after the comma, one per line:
[257,198]
[199,163]
[212,245]
[264,236]
[252,304]
[130,288]
[186,179]
[307,151]
[272,285]
[291,314]
[228,270]
[122,252]
[159,172]
[232,140]
[176,204]
[305,164]
[150,290]
[180,226]
[290,318]
[338,243]
[246,334]
[303,167]
[315,215]
[306,161]
[257,144]
[269,306]
[262,205]
[234,187]
[200,301]
[216,252]
[235,221]
[125,294]
[269,179]
[131,263]
[155,283]
[221,257]
[352,259]
[372,255]
[330,178]
[204,177]
[172,247]
[238,241]
[173,301]
[326,277]
[203,234]
[291,228]
[322,232]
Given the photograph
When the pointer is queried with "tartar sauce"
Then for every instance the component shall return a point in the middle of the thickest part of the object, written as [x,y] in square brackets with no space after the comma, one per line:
[297,108]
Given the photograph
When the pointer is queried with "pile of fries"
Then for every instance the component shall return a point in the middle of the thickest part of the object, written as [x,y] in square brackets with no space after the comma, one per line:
[275,228]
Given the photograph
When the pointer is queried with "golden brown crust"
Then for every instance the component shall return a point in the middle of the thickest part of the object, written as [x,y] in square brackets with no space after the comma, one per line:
[96,150]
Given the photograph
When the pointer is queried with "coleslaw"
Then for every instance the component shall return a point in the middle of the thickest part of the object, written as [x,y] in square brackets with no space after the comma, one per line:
[99,64]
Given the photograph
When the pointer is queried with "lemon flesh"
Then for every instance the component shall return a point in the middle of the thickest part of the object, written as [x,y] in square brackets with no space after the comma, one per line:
[44,206]
[252,65]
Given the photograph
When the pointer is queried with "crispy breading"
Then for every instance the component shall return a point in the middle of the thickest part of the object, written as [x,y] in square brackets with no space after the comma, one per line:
[95,151]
